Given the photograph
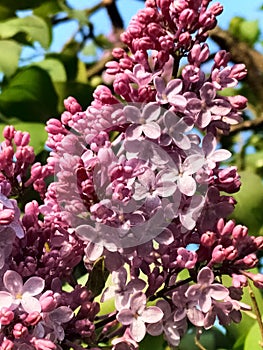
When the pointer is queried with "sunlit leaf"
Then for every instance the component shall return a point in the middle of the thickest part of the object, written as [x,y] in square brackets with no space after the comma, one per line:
[35,27]
[54,68]
[10,53]
[253,338]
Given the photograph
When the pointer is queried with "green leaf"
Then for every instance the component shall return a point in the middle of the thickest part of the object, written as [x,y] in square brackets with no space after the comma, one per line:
[82,92]
[9,62]
[47,8]
[98,277]
[253,338]
[54,68]
[148,341]
[30,96]
[35,27]
[248,210]
[21,4]
[38,135]
[6,12]
[249,31]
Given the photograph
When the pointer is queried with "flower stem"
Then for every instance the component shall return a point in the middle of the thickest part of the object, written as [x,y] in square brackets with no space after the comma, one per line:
[257,312]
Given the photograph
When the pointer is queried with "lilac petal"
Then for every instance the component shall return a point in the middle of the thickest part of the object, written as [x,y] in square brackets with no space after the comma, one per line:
[13,282]
[159,85]
[209,143]
[170,119]
[220,107]
[138,329]
[166,189]
[6,299]
[136,284]
[155,329]
[94,251]
[62,314]
[108,293]
[151,112]
[151,130]
[147,179]
[119,277]
[203,119]
[33,286]
[205,276]
[132,113]
[182,141]
[174,87]
[152,314]
[194,105]
[220,155]
[207,92]
[125,316]
[178,101]
[196,317]
[138,302]
[205,302]
[193,163]
[193,292]
[134,131]
[30,304]
[187,185]
[218,292]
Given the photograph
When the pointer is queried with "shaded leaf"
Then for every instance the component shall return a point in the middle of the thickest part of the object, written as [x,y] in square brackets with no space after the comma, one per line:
[98,277]
[35,27]
[6,12]
[10,56]
[47,8]
[30,96]
[82,92]
[21,4]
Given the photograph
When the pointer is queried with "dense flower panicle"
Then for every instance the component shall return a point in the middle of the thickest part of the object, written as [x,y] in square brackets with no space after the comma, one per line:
[137,195]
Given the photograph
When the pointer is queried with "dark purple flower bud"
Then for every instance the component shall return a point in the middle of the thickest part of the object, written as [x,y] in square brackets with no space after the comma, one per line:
[222,58]
[238,71]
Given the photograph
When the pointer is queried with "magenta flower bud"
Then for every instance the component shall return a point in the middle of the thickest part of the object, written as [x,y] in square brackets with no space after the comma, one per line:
[7,345]
[239,280]
[126,63]
[9,132]
[187,17]
[33,318]
[43,344]
[256,278]
[218,254]
[238,101]
[21,138]
[191,74]
[259,242]
[250,260]
[6,216]
[54,126]
[113,67]
[66,117]
[231,253]
[238,71]
[216,9]
[222,58]
[72,105]
[48,301]
[118,53]
[239,231]
[184,38]
[19,330]
[208,238]
[6,316]
[121,84]
[226,229]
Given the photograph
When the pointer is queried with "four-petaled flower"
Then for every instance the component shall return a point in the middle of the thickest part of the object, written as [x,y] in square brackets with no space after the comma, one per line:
[138,314]
[205,291]
[21,294]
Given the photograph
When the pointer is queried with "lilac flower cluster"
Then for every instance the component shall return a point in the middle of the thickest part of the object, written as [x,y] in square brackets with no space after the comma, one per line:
[138,182]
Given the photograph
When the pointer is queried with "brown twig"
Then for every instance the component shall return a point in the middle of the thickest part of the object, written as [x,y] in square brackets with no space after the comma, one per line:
[254,124]
[257,313]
